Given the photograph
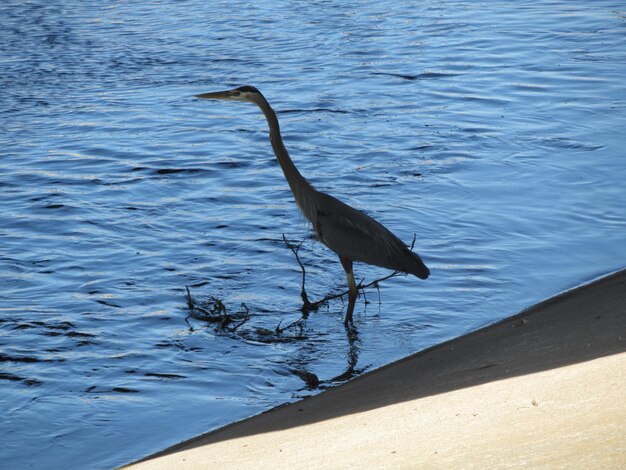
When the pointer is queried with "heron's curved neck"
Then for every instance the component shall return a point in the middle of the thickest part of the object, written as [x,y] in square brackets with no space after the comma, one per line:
[299,186]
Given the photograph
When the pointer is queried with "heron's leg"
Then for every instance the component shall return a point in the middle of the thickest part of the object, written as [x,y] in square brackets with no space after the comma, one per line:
[352,290]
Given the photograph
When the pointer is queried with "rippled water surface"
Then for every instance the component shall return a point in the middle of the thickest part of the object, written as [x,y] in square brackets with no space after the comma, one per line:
[494,131]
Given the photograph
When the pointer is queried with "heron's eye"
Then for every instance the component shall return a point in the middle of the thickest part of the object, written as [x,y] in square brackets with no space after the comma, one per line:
[236,93]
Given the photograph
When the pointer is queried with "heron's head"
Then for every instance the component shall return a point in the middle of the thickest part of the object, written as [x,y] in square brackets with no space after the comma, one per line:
[243,93]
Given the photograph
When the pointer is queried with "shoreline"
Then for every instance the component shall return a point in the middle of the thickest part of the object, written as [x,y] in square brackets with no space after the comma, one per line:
[541,388]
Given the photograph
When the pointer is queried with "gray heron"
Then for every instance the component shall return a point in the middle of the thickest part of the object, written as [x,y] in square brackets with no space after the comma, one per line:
[350,233]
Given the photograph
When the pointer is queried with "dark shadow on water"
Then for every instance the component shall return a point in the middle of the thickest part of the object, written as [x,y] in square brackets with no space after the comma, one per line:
[580,325]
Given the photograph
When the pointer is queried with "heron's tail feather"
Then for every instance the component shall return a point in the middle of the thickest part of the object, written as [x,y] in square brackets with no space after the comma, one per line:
[416,266]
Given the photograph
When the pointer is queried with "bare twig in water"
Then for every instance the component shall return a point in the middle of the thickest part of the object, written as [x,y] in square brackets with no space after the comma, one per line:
[299,323]
[413,242]
[189,300]
[294,249]
[216,313]
[246,317]
[193,306]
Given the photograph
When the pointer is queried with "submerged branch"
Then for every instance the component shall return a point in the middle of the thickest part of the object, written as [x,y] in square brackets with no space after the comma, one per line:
[215,312]
[294,249]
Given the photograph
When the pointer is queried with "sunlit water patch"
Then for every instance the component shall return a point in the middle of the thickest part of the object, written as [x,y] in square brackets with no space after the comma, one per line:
[493,132]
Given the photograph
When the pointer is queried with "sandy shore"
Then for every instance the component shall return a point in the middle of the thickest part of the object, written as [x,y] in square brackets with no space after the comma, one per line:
[543,389]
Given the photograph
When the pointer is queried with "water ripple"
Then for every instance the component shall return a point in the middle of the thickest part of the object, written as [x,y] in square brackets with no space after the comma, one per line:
[494,132]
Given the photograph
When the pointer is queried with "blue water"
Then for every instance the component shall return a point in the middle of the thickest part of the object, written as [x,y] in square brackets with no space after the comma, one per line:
[494,131]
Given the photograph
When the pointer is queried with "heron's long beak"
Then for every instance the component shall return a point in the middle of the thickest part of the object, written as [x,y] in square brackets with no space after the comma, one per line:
[216,95]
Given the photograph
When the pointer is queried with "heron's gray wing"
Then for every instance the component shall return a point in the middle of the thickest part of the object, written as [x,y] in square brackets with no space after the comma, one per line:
[356,236]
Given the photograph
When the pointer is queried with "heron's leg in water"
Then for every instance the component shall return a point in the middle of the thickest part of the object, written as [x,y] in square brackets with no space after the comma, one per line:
[352,290]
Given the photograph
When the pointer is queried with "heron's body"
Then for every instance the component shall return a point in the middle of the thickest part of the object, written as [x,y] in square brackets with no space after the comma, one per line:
[350,233]
[367,240]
